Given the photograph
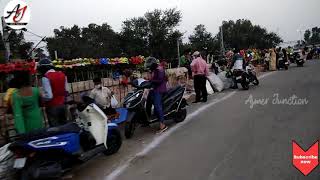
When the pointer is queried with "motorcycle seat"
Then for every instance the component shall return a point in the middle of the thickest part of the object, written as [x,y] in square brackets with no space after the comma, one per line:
[43,133]
[171,91]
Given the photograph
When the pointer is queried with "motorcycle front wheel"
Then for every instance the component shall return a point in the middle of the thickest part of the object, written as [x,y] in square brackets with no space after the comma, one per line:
[181,115]
[129,129]
[114,142]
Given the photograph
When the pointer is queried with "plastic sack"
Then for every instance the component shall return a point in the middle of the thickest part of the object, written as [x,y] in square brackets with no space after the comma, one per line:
[6,163]
[227,82]
[215,82]
[210,91]
[114,102]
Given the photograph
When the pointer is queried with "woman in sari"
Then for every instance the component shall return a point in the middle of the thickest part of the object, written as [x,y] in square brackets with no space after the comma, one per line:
[273,60]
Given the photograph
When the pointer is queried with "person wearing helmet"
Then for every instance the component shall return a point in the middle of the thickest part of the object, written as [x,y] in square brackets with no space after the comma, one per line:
[54,86]
[200,72]
[159,82]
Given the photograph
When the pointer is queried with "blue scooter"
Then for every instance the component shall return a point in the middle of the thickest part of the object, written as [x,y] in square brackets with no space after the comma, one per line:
[49,153]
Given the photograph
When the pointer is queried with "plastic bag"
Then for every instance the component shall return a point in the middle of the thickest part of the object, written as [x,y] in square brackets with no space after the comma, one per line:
[216,82]
[114,102]
[209,88]
[227,82]
[6,163]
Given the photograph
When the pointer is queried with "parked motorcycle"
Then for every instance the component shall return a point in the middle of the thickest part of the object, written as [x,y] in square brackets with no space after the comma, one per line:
[252,76]
[174,106]
[49,153]
[241,77]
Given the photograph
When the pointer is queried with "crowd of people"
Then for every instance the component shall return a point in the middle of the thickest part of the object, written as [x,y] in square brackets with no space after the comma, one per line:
[236,59]
[25,101]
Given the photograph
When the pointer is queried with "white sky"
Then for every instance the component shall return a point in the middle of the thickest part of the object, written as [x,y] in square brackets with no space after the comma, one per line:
[282,16]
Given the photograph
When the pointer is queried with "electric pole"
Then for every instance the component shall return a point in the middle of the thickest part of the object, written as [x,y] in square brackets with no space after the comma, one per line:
[5,38]
[178,46]
[222,43]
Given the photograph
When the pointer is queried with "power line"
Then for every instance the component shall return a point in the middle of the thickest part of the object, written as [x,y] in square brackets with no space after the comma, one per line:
[33,33]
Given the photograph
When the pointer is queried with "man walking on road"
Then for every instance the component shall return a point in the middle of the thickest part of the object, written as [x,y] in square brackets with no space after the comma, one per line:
[200,72]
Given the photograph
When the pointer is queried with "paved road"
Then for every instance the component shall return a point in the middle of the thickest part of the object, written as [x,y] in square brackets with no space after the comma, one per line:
[231,141]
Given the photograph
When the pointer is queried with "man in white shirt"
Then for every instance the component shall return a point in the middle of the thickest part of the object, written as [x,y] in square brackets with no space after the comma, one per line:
[102,97]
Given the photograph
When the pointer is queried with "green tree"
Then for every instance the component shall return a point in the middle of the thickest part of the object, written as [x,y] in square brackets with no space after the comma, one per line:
[39,53]
[2,50]
[93,41]
[202,39]
[102,41]
[134,37]
[1,43]
[66,42]
[161,25]
[153,34]
[18,46]
[243,34]
[307,35]
[313,36]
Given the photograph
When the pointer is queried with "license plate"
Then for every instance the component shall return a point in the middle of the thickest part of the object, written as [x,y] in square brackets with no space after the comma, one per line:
[19,163]
[238,78]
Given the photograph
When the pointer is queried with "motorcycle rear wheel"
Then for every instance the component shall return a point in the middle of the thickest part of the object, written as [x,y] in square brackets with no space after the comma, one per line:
[245,85]
[28,172]
[255,81]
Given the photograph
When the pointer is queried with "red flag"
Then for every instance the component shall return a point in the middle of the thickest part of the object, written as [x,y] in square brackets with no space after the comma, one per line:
[305,161]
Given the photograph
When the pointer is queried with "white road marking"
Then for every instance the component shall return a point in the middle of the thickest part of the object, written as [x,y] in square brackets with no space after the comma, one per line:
[226,158]
[265,75]
[158,139]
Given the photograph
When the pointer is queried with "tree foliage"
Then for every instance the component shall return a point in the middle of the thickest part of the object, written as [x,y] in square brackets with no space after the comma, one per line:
[2,50]
[134,36]
[243,34]
[154,34]
[92,41]
[312,36]
[19,47]
[201,39]
[1,43]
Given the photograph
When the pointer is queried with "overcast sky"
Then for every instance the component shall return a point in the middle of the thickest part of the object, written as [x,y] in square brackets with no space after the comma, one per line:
[282,16]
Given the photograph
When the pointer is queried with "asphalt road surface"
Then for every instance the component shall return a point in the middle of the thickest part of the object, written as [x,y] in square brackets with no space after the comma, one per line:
[229,140]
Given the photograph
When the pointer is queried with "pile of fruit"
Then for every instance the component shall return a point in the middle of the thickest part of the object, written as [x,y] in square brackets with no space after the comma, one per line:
[102,61]
[18,66]
[137,60]
[122,60]
[74,63]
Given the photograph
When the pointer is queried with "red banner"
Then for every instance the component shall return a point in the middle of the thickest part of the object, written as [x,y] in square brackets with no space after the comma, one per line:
[305,161]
